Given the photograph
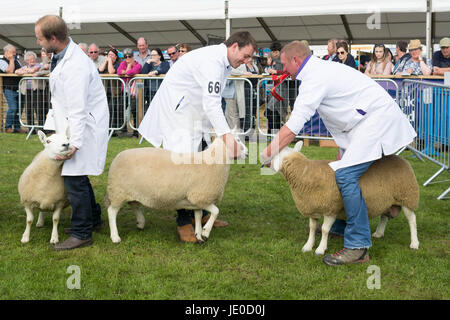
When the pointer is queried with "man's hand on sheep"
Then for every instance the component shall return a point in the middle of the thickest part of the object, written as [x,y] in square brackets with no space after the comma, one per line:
[234,149]
[68,156]
[279,142]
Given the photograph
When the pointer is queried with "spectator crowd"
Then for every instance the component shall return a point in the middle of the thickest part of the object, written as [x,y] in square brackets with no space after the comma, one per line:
[408,60]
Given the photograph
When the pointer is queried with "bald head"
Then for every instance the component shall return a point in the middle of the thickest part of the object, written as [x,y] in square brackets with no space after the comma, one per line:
[296,49]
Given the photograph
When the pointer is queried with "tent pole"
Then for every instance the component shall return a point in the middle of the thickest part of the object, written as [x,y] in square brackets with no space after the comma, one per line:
[428,31]
[227,21]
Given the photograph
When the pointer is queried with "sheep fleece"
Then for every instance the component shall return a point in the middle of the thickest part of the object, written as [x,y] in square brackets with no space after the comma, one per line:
[388,181]
[149,176]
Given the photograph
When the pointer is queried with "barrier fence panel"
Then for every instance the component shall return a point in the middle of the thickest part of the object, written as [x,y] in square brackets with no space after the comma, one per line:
[239,103]
[34,102]
[390,86]
[141,91]
[427,106]
[116,94]
[273,114]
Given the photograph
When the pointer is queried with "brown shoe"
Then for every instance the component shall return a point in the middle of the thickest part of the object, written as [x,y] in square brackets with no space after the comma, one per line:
[187,234]
[217,223]
[22,131]
[10,130]
[73,243]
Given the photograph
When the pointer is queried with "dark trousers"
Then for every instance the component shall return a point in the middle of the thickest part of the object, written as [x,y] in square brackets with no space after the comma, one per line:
[86,213]
[184,216]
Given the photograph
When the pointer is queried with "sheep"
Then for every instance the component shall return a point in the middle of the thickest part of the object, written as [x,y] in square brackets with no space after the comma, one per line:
[388,184]
[42,186]
[163,180]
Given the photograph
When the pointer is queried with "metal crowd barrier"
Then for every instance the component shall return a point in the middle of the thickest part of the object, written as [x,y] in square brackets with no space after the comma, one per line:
[427,106]
[35,101]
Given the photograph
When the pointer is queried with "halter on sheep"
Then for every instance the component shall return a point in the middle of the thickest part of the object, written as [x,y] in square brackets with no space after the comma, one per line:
[390,181]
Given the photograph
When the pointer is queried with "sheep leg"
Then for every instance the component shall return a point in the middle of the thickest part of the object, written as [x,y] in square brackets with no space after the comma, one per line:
[112,215]
[198,225]
[140,219]
[30,217]
[312,235]
[208,226]
[379,233]
[412,226]
[326,226]
[55,239]
[40,221]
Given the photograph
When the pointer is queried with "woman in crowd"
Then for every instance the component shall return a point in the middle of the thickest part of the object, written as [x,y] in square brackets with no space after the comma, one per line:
[115,104]
[128,68]
[343,56]
[184,48]
[380,62]
[154,66]
[417,65]
[29,88]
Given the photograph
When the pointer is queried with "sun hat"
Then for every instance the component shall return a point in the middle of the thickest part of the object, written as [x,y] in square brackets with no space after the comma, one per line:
[414,44]
[445,42]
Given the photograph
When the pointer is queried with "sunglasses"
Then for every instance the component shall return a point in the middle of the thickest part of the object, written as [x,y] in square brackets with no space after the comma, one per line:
[379,46]
[341,52]
[128,55]
[171,53]
[182,50]
[93,51]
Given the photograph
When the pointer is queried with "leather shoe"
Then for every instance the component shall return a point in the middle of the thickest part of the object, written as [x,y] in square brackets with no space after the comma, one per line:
[10,130]
[73,243]
[20,130]
[187,234]
[96,228]
[217,223]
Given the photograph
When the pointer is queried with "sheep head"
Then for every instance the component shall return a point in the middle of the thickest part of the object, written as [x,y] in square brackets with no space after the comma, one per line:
[277,160]
[244,150]
[56,144]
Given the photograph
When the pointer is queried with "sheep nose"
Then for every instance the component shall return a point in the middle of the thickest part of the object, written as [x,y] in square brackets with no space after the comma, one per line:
[66,145]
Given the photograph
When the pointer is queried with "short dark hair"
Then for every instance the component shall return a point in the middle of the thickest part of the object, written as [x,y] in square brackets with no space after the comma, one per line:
[52,25]
[276,46]
[342,44]
[402,45]
[161,56]
[243,39]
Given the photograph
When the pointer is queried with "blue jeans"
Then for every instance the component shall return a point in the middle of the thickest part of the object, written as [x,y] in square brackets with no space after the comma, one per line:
[86,213]
[356,228]
[12,116]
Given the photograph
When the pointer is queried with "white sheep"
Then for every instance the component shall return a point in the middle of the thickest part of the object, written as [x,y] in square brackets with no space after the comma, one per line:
[42,186]
[389,183]
[163,180]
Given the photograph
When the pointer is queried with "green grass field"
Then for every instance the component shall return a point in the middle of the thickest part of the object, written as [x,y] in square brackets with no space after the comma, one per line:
[257,257]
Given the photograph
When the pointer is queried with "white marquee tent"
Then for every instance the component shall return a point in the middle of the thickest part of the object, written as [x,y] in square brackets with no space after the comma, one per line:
[120,23]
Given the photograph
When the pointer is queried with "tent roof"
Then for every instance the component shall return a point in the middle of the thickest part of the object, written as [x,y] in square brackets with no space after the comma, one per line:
[195,21]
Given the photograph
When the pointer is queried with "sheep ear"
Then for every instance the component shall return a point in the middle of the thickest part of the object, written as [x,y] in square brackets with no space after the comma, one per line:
[42,136]
[298,146]
[68,132]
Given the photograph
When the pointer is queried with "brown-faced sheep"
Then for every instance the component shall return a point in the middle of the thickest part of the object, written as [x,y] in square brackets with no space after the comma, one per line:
[390,181]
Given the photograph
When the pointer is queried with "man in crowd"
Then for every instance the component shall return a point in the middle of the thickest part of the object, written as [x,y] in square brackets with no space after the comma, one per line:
[401,56]
[94,54]
[143,53]
[9,64]
[441,58]
[331,50]
[173,53]
[189,102]
[79,105]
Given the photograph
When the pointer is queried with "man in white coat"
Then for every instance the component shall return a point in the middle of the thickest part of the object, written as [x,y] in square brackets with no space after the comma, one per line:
[188,103]
[366,124]
[79,104]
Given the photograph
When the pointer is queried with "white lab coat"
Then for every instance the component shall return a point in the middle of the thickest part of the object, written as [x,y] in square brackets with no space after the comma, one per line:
[79,102]
[337,92]
[189,101]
